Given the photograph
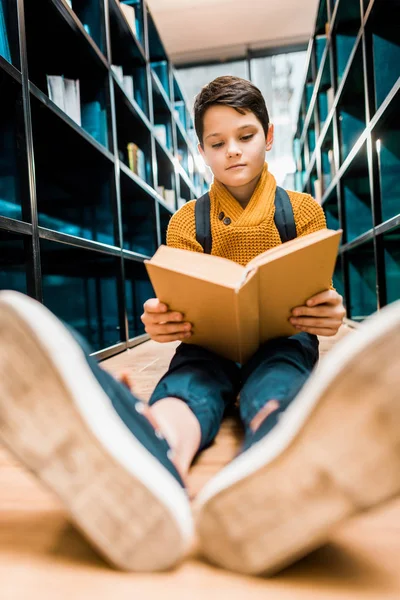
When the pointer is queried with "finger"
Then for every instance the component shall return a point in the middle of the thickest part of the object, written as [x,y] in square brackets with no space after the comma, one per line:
[318,331]
[154,305]
[317,322]
[168,317]
[172,337]
[324,310]
[168,328]
[328,296]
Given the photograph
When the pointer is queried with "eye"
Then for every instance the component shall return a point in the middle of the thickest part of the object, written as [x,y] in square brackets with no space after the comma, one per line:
[247,137]
[217,145]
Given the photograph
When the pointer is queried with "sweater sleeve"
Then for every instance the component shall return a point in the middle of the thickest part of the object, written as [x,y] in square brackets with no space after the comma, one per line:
[182,229]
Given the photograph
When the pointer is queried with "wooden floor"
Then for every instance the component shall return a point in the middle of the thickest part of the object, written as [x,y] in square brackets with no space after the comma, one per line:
[43,557]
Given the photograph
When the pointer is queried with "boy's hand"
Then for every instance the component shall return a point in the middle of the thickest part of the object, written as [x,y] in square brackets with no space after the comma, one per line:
[163,325]
[322,315]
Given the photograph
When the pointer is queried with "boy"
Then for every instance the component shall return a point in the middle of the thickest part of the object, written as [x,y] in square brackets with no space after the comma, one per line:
[315,452]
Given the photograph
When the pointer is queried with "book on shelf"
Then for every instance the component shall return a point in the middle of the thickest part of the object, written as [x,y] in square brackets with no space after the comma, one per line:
[94,121]
[160,131]
[65,93]
[4,45]
[330,96]
[136,160]
[118,72]
[127,84]
[234,309]
[129,14]
[170,197]
[318,191]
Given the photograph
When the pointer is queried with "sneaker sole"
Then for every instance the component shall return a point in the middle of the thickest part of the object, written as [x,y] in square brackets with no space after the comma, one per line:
[116,492]
[335,452]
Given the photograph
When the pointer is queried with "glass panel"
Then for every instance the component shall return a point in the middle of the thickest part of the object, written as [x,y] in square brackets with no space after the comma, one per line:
[362,282]
[357,197]
[13,261]
[138,289]
[392,265]
[9,44]
[80,287]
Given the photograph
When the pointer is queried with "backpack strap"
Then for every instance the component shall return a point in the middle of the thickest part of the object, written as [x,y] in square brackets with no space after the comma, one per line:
[203,225]
[284,217]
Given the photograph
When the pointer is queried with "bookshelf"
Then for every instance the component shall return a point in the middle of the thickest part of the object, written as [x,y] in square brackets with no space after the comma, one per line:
[347,144]
[89,182]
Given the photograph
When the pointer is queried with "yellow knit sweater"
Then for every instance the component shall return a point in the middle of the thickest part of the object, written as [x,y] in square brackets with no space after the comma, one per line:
[250,231]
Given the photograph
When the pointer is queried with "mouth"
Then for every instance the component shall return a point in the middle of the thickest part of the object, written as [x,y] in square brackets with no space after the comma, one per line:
[235,167]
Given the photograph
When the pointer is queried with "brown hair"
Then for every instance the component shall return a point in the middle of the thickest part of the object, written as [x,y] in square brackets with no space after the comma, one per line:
[238,93]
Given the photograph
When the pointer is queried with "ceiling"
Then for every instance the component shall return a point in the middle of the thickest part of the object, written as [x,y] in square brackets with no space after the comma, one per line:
[202,30]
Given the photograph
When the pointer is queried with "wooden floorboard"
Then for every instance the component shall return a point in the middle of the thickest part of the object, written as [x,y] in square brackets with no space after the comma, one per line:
[43,557]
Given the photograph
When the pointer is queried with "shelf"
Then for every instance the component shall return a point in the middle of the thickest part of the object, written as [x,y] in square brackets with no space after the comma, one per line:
[74,182]
[138,217]
[328,169]
[386,136]
[72,58]
[351,107]
[391,246]
[164,217]
[138,289]
[383,36]
[127,53]
[346,28]
[356,194]
[14,251]
[126,32]
[12,175]
[91,18]
[88,280]
[72,212]
[131,129]
[9,42]
[362,282]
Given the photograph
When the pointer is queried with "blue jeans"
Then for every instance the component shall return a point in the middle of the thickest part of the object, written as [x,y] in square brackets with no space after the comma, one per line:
[209,384]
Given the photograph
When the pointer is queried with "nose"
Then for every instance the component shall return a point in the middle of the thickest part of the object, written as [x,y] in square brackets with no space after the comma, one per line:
[232,149]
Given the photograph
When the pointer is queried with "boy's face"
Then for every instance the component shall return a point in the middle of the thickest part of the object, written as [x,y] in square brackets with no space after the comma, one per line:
[231,139]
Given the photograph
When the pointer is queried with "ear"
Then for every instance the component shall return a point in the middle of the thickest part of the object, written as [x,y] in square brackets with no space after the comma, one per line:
[203,154]
[269,140]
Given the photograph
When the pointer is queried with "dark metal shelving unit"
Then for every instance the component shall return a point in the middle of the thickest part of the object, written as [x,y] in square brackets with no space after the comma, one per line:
[347,144]
[76,224]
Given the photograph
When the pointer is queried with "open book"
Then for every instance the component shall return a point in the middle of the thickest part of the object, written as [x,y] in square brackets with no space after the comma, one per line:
[234,309]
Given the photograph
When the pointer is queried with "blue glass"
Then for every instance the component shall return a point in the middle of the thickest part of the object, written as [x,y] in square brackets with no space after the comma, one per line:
[13,262]
[344,47]
[392,265]
[389,173]
[386,66]
[80,287]
[138,289]
[362,282]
